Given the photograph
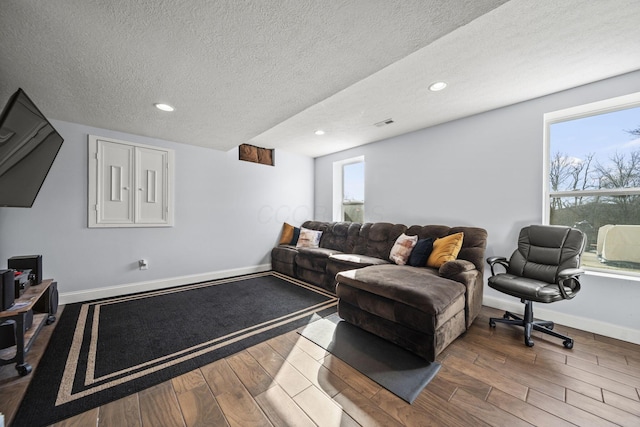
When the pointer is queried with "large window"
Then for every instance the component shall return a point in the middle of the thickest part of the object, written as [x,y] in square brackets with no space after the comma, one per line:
[348,194]
[592,179]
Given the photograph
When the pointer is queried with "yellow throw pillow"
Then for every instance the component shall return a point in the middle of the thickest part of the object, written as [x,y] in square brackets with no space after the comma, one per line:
[445,249]
[287,234]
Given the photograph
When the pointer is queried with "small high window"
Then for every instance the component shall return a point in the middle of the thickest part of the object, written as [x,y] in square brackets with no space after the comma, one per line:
[348,197]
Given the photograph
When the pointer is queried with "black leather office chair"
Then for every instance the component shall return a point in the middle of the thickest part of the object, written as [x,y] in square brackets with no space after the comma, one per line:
[544,268]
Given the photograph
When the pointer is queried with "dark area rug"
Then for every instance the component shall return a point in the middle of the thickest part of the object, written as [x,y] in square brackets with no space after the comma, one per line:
[394,368]
[103,350]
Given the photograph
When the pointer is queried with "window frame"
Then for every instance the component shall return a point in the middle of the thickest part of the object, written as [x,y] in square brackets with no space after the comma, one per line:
[573,113]
[338,186]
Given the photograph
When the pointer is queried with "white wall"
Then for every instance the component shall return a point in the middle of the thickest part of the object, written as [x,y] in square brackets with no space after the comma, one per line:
[228,216]
[486,171]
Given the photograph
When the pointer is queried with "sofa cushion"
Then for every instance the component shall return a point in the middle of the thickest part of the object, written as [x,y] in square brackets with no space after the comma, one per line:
[314,259]
[377,239]
[342,262]
[445,249]
[335,236]
[421,288]
[355,260]
[284,253]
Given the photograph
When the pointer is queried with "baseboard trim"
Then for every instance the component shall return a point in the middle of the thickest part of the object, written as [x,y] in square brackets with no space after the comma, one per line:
[597,327]
[130,288]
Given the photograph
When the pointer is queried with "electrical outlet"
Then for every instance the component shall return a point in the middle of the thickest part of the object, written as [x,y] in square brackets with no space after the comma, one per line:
[143,264]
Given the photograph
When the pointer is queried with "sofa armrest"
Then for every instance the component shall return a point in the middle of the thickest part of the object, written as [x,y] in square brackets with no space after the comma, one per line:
[465,272]
[452,269]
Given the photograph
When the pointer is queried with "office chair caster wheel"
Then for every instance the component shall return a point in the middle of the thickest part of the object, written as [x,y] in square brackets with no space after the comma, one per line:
[528,342]
[505,316]
[492,323]
[50,319]
[568,344]
[23,369]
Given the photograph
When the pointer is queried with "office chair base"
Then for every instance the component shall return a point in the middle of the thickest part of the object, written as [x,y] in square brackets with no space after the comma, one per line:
[529,325]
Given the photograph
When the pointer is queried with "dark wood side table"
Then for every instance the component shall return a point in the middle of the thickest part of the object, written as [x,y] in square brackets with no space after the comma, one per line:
[18,313]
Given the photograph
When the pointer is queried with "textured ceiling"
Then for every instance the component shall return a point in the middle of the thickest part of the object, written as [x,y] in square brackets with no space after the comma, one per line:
[271,73]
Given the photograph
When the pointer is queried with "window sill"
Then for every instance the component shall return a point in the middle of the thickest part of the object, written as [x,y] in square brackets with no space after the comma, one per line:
[612,275]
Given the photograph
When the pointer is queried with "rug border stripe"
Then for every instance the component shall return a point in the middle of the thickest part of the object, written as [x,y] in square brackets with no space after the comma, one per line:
[66,398]
[91,379]
[65,392]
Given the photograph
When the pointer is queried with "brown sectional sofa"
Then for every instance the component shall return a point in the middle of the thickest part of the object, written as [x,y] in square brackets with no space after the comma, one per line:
[422,309]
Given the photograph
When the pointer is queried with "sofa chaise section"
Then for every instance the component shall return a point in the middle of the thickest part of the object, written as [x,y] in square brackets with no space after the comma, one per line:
[412,307]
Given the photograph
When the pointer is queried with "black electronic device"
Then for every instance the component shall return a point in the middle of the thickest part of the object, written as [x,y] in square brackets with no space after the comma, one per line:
[28,262]
[22,281]
[28,146]
[23,277]
[7,334]
[7,291]
[8,330]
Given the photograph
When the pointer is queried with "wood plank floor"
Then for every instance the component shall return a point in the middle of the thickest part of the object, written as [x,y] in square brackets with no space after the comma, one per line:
[488,377]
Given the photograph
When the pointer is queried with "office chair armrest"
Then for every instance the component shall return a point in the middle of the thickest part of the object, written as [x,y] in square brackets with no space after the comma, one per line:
[497,260]
[569,278]
[570,272]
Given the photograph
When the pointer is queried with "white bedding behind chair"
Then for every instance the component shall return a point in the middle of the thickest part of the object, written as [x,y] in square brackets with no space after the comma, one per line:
[619,243]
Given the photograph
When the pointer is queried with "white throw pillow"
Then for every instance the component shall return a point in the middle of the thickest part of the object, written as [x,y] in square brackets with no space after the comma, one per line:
[402,249]
[308,238]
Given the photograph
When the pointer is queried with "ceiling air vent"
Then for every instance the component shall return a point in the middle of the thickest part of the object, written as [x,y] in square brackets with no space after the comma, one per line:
[384,123]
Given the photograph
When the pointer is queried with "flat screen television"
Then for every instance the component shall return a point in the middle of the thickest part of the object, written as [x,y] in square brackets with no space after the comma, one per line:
[28,147]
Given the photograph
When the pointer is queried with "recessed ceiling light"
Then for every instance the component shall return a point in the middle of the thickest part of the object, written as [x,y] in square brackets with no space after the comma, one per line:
[434,87]
[164,107]
[319,132]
